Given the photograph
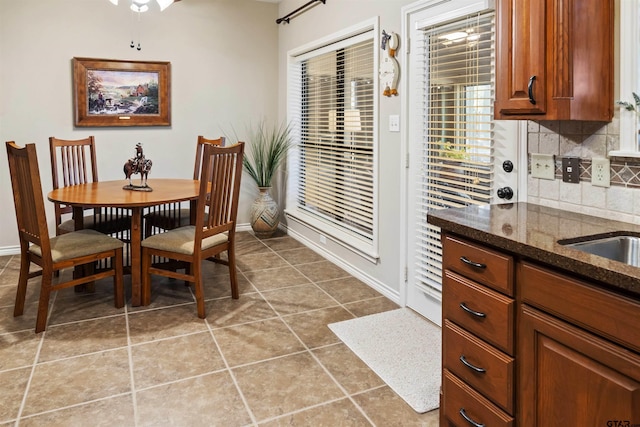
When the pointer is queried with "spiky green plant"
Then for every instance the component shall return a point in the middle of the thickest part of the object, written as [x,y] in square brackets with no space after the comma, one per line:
[268,147]
[629,106]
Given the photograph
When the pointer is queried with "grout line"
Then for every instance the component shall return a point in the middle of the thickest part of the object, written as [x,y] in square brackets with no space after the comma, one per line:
[131,367]
[232,375]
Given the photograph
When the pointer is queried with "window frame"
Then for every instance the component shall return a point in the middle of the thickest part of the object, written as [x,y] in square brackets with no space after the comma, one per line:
[629,78]
[364,247]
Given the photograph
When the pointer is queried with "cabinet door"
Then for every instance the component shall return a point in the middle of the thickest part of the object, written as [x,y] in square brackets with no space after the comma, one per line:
[520,58]
[570,377]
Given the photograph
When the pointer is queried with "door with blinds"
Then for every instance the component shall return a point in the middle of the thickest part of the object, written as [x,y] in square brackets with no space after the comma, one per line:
[458,155]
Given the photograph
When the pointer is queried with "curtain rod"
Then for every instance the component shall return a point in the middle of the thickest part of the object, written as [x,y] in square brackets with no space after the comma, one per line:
[287,18]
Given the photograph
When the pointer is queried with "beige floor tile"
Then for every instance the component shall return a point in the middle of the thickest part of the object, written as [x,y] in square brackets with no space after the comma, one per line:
[283,243]
[164,323]
[219,285]
[252,342]
[300,256]
[279,386]
[209,400]
[166,292]
[297,299]
[385,408]
[115,411]
[74,339]
[371,306]
[311,327]
[80,379]
[83,306]
[276,278]
[347,368]
[173,359]
[348,289]
[21,323]
[247,308]
[247,247]
[323,270]
[341,413]
[12,387]
[259,261]
[8,290]
[18,349]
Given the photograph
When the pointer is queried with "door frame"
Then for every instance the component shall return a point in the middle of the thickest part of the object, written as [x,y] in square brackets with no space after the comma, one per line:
[434,306]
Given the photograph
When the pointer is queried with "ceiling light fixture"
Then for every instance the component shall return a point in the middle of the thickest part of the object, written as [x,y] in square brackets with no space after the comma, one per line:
[141,6]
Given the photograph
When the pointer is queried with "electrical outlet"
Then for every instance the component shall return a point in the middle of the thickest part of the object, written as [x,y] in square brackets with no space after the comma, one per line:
[543,166]
[600,172]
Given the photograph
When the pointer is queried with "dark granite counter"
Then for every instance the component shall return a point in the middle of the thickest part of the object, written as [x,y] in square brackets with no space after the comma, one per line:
[533,231]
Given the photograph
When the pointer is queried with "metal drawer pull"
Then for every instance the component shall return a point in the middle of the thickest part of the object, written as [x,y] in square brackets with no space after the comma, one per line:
[471,366]
[531,98]
[473,264]
[468,419]
[468,310]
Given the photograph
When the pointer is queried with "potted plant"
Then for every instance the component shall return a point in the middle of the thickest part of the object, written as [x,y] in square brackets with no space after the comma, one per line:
[635,107]
[267,150]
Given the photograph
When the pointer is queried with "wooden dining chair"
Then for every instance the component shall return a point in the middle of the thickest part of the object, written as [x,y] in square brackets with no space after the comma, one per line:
[213,233]
[77,248]
[74,162]
[170,216]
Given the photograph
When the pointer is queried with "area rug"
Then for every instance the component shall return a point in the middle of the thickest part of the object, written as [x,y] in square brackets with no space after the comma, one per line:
[403,349]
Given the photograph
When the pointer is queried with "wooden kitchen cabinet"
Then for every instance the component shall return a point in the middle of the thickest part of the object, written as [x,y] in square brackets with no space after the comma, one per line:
[554,60]
[529,345]
[478,334]
[569,374]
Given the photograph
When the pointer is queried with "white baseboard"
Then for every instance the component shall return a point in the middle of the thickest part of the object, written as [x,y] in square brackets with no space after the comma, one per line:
[10,250]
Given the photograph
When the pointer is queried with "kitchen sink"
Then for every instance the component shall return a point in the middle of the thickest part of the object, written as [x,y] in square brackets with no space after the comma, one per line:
[624,248]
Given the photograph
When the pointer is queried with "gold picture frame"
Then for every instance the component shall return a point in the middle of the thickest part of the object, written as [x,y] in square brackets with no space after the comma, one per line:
[112,92]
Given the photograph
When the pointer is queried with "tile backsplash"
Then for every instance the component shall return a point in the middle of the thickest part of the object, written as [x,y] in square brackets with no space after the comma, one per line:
[585,140]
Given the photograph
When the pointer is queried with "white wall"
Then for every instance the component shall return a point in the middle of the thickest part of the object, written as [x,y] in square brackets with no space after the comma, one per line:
[319,22]
[224,67]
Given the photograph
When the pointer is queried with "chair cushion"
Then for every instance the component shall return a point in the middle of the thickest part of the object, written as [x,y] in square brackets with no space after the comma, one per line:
[77,244]
[180,240]
[104,223]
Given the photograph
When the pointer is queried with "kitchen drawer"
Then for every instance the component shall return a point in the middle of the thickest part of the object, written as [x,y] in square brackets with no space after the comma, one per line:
[461,399]
[480,365]
[486,266]
[602,312]
[486,313]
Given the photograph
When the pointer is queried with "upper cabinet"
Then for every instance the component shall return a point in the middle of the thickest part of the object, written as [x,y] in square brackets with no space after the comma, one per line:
[554,60]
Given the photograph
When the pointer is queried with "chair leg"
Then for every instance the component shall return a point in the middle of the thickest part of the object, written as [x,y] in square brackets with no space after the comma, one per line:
[196,269]
[233,276]
[43,305]
[145,292]
[22,285]
[118,285]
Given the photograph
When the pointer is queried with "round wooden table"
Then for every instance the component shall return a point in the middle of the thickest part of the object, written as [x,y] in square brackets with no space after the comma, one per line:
[111,194]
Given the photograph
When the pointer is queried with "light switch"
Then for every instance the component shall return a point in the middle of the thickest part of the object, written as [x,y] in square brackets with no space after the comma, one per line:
[394,123]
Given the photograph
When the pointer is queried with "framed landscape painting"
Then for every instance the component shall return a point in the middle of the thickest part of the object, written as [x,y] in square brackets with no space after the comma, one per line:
[111,92]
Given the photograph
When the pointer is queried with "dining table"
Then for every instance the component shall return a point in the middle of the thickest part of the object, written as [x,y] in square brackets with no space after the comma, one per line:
[105,194]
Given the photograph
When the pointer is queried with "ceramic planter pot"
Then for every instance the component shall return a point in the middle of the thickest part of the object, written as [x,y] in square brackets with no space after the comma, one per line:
[265,214]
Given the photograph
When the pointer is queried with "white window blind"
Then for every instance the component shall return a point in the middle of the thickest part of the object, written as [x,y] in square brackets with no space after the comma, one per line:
[457,110]
[331,103]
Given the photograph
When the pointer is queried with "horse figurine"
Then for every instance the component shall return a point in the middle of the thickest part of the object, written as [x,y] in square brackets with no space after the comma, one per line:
[138,164]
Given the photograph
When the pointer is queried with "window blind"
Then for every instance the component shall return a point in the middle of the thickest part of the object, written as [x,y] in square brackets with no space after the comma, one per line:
[331,100]
[457,109]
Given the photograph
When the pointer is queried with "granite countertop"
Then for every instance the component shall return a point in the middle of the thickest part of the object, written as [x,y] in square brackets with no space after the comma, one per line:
[533,232]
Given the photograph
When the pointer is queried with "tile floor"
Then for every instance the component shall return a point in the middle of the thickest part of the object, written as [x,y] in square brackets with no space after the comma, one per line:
[266,359]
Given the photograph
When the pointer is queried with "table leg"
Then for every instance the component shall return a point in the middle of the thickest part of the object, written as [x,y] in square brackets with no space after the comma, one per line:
[136,256]
[78,224]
